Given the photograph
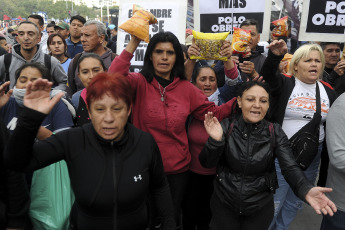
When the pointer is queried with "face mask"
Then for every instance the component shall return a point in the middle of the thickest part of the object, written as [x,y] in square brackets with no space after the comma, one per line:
[19,96]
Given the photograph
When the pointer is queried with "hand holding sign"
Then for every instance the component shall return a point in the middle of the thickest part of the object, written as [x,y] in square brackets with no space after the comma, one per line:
[139,23]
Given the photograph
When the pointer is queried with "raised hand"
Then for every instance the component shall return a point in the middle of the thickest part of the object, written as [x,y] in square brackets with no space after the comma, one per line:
[319,201]
[278,48]
[213,127]
[37,96]
[133,44]
[4,97]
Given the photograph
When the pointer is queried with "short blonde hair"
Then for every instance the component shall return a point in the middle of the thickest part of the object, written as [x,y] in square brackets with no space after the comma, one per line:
[304,52]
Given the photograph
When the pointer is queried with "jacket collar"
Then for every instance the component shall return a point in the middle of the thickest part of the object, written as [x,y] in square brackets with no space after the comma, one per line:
[17,54]
[171,86]
[250,127]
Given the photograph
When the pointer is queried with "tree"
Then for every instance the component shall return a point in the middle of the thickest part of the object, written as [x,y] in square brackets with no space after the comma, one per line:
[53,10]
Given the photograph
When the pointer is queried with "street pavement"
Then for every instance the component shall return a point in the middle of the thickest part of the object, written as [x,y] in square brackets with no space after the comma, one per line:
[306,219]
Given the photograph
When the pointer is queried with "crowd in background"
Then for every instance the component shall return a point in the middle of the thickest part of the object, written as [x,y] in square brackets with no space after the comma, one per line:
[183,144]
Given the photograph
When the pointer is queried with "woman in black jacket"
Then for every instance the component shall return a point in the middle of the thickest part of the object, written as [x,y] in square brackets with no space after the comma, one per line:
[244,148]
[113,166]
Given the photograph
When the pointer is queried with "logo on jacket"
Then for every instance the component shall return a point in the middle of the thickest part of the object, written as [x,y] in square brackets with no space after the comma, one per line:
[136,178]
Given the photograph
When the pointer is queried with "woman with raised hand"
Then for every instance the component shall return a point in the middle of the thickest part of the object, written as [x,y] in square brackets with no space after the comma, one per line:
[243,148]
[163,101]
[113,166]
[44,202]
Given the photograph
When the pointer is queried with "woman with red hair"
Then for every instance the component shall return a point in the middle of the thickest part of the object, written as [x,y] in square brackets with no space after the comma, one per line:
[113,166]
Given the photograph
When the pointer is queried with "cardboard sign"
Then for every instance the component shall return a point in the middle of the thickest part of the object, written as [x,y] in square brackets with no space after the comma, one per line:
[171,16]
[323,21]
[218,16]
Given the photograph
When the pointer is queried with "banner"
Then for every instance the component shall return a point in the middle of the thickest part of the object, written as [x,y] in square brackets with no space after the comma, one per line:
[217,16]
[323,21]
[6,17]
[171,16]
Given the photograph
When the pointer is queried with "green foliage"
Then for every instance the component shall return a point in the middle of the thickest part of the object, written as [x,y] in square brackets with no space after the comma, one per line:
[59,10]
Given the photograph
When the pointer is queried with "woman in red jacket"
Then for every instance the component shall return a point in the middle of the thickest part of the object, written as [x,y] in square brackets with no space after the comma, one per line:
[163,100]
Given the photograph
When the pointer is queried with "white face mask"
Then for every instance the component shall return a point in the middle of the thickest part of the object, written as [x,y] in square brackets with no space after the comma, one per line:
[19,96]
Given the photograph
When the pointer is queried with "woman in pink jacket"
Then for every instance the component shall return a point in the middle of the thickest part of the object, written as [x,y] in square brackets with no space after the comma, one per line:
[162,102]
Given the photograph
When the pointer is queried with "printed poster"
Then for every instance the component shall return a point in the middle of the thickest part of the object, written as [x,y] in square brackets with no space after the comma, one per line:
[171,16]
[217,16]
[323,21]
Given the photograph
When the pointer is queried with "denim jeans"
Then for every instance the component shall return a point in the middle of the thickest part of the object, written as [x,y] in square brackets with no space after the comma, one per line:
[286,203]
[335,222]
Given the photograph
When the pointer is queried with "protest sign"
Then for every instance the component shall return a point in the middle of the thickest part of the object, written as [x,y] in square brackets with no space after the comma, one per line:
[171,16]
[217,16]
[323,21]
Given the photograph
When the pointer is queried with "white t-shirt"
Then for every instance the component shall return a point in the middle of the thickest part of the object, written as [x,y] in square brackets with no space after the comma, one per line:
[302,106]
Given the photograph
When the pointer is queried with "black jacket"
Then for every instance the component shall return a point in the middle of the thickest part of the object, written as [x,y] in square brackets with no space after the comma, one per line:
[14,193]
[109,178]
[336,81]
[246,178]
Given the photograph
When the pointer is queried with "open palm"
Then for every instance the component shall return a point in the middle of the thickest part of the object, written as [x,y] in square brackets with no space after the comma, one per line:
[213,127]
[37,96]
[320,202]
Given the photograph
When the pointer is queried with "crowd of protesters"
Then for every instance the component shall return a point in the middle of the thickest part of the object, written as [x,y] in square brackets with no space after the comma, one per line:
[183,144]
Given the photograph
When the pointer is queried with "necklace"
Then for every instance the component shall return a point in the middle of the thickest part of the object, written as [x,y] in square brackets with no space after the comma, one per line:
[160,91]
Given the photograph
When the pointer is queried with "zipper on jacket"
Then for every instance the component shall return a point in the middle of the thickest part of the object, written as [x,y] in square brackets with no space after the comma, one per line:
[244,171]
[165,105]
[115,185]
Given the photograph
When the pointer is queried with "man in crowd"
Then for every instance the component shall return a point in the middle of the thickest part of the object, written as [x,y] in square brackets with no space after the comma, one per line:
[63,29]
[251,66]
[28,50]
[334,67]
[92,37]
[38,20]
[50,29]
[74,45]
[11,36]
[3,46]
[335,132]
[113,32]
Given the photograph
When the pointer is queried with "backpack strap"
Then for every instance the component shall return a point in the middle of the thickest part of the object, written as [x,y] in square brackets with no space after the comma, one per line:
[48,61]
[7,62]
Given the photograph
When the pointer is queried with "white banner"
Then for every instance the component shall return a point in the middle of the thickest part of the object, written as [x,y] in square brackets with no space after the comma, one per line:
[323,21]
[217,16]
[171,16]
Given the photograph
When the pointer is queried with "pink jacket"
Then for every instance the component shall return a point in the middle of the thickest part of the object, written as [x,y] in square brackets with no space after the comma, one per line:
[166,120]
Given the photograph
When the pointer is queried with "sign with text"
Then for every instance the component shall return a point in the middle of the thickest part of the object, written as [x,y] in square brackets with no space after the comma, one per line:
[171,16]
[217,16]
[323,21]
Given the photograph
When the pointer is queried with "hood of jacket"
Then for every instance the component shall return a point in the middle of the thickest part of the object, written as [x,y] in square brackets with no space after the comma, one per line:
[16,54]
